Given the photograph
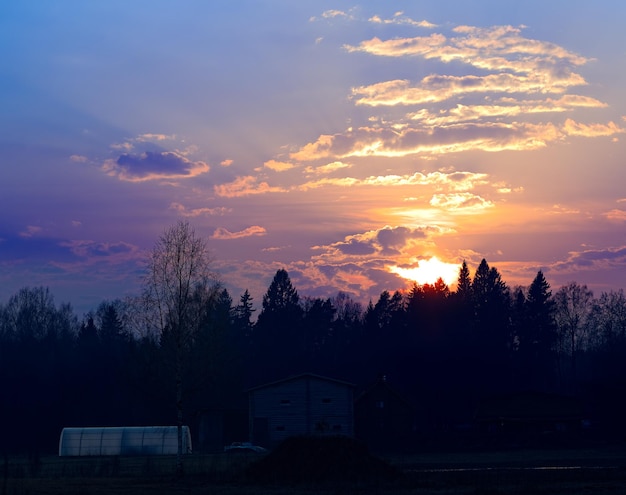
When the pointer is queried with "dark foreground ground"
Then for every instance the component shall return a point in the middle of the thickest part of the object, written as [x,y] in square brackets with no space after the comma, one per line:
[600,470]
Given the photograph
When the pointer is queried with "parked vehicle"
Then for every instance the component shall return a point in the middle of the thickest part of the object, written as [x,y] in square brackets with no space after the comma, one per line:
[244,447]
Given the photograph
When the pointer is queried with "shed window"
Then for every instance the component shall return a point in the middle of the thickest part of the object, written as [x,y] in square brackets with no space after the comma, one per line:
[336,427]
[285,402]
[326,400]
[280,428]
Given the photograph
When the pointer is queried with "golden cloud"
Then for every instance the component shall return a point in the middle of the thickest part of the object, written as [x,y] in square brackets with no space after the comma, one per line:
[573,128]
[486,48]
[277,166]
[327,169]
[438,88]
[400,19]
[375,141]
[460,201]
[504,107]
[424,45]
[456,181]
[312,151]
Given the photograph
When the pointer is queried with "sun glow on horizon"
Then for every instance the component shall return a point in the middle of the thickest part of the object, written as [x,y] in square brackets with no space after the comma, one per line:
[428,271]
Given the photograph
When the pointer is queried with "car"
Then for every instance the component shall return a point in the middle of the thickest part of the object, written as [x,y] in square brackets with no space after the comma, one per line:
[244,447]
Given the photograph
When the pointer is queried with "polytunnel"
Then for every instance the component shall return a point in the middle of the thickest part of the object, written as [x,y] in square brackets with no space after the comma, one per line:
[126,440]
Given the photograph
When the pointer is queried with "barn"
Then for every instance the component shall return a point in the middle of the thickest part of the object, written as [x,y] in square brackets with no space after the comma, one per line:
[128,440]
[305,404]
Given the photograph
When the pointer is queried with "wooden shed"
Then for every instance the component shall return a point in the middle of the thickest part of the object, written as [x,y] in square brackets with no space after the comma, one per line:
[305,404]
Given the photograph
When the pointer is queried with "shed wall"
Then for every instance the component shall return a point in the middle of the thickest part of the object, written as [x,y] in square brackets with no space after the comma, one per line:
[301,406]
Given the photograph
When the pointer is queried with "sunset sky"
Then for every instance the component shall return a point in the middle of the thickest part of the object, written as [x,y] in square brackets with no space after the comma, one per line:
[347,142]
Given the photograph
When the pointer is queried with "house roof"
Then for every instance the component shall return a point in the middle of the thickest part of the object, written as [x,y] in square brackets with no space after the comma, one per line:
[302,376]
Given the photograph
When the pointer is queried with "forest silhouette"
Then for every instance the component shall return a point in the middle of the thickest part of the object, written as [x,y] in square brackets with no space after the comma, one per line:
[444,351]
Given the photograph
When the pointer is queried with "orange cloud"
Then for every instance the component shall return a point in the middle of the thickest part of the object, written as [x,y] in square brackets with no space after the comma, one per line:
[616,215]
[196,212]
[245,186]
[223,234]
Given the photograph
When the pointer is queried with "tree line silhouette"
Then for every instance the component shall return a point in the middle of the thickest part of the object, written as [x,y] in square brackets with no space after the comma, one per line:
[443,349]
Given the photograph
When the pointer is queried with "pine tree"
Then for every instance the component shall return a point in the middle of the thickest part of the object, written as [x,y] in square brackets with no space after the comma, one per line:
[243,312]
[280,297]
[464,283]
[539,332]
[278,332]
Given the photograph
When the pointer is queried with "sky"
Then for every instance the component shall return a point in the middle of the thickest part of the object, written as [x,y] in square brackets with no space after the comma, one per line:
[359,145]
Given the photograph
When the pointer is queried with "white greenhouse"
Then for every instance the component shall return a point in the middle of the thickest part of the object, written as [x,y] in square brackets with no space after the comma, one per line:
[128,440]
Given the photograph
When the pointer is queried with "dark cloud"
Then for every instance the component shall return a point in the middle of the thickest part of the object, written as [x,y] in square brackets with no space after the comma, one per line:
[593,259]
[151,165]
[356,247]
[15,249]
[391,240]
[153,161]
[590,257]
[88,249]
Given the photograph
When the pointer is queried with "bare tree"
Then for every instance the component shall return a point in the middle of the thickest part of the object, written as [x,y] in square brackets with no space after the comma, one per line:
[609,320]
[179,266]
[573,306]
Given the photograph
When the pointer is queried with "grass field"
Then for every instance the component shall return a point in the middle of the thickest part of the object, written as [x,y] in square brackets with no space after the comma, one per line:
[517,472]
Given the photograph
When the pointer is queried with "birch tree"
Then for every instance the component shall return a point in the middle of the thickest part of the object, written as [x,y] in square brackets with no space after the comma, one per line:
[179,266]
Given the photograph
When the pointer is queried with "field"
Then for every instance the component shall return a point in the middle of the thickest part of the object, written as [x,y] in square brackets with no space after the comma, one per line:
[520,472]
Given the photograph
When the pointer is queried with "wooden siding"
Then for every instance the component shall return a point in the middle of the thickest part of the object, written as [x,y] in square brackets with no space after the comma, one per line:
[302,405]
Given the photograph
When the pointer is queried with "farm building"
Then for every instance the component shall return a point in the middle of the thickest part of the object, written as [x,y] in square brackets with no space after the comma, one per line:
[129,440]
[383,418]
[305,404]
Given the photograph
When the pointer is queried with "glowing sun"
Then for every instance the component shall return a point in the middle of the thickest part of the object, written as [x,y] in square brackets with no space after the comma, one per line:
[428,271]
